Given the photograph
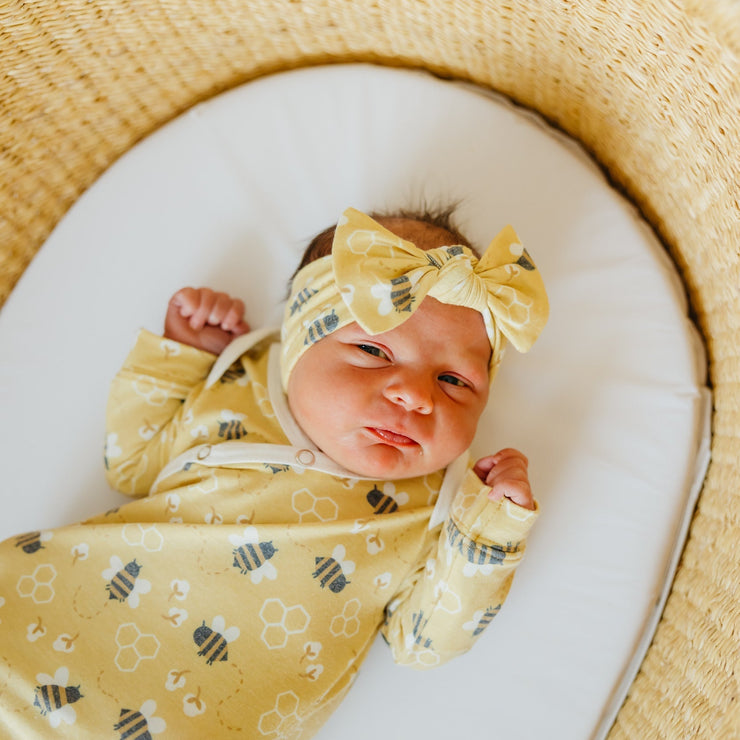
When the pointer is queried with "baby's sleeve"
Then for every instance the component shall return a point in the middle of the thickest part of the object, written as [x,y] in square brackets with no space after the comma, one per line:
[144,403]
[460,584]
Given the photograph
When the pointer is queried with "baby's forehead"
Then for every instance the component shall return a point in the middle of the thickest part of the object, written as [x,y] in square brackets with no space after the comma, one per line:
[459,330]
[420,233]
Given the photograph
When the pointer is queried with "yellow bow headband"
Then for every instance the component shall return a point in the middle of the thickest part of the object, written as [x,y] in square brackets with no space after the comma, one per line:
[377,279]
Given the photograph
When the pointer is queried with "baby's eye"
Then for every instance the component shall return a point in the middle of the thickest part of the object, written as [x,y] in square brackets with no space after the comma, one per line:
[371,349]
[453,380]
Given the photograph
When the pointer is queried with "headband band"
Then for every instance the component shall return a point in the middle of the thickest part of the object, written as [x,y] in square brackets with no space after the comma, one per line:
[377,279]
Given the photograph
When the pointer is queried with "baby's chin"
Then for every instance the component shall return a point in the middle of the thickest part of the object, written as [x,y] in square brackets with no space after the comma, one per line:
[389,463]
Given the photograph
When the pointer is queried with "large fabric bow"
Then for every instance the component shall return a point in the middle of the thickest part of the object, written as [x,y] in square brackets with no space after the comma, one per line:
[384,278]
[378,279]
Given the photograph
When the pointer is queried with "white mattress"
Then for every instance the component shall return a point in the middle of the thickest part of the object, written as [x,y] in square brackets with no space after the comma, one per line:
[610,406]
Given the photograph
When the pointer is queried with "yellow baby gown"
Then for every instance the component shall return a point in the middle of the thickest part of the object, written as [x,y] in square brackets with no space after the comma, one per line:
[238,595]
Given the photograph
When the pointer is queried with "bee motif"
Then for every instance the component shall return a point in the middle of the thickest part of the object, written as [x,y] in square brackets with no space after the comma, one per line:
[51,697]
[387,500]
[432,261]
[139,725]
[481,558]
[252,556]
[301,298]
[485,620]
[320,327]
[418,623]
[31,542]
[231,426]
[54,698]
[235,373]
[401,293]
[525,261]
[455,251]
[381,503]
[277,468]
[232,429]
[213,640]
[124,583]
[333,571]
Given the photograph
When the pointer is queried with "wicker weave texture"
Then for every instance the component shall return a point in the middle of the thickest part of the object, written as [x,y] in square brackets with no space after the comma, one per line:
[651,88]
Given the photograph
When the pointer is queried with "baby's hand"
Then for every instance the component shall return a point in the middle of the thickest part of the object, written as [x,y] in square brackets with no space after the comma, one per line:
[506,474]
[204,319]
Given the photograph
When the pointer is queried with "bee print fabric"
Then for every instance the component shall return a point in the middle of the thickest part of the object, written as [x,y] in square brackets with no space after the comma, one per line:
[238,599]
[377,279]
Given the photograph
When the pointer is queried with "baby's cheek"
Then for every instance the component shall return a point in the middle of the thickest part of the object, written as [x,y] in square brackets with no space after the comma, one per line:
[454,438]
[465,431]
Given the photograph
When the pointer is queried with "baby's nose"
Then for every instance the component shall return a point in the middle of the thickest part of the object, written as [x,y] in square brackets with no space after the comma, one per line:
[411,392]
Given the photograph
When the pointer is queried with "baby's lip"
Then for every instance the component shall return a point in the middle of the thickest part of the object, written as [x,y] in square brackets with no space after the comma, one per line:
[392,437]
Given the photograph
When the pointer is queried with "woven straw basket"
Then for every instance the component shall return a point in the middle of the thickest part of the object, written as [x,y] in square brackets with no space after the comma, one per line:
[650,87]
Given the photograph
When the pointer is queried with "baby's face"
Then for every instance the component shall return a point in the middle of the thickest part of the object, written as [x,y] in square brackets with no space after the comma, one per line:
[398,404]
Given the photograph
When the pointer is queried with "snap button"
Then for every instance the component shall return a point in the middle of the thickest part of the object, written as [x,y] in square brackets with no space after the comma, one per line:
[305,457]
[203,452]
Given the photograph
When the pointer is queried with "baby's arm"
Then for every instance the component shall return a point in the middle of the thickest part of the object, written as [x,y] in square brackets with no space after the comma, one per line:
[462,580]
[148,394]
[145,402]
[204,319]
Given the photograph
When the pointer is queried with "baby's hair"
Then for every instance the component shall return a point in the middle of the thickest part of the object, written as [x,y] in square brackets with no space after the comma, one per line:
[439,217]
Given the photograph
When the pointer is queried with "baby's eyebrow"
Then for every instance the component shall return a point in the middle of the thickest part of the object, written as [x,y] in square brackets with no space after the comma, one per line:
[472,368]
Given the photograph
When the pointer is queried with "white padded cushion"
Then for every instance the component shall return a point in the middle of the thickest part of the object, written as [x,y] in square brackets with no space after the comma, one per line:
[608,405]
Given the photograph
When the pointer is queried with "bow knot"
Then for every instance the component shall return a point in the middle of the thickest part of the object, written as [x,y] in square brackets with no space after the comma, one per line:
[458,281]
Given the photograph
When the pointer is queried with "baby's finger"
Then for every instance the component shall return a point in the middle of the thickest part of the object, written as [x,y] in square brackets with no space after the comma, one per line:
[213,339]
[519,493]
[207,300]
[483,466]
[221,308]
[509,489]
[234,316]
[185,301]
[512,469]
[241,328]
[510,453]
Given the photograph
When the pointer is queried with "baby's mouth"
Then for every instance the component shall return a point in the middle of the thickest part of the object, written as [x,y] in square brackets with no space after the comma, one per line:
[393,438]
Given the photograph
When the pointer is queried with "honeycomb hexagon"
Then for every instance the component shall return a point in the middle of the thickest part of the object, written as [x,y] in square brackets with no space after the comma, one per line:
[138,535]
[425,657]
[347,624]
[272,612]
[127,634]
[360,240]
[133,647]
[314,508]
[281,621]
[283,718]
[462,503]
[518,309]
[207,484]
[38,586]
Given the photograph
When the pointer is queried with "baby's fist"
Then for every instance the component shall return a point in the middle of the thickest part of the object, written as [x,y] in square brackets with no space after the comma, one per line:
[506,474]
[204,319]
